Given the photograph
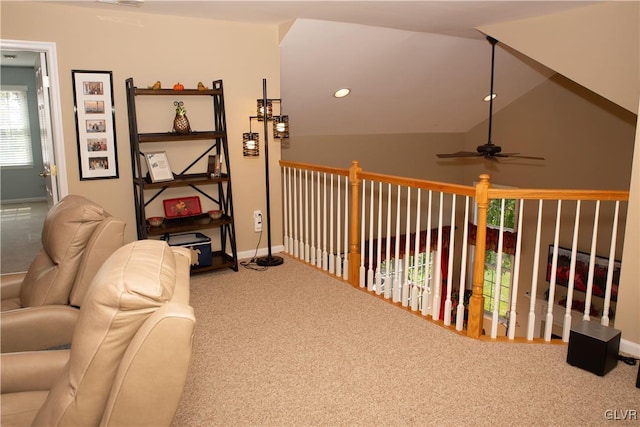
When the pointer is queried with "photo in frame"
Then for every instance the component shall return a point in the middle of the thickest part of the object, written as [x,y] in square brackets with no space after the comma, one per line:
[581,275]
[158,165]
[95,124]
[214,166]
[182,207]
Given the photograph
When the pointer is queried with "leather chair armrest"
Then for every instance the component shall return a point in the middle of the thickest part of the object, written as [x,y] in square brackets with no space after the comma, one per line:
[37,328]
[10,284]
[32,370]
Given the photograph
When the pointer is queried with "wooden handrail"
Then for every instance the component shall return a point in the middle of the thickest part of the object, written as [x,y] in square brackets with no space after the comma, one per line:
[315,168]
[521,193]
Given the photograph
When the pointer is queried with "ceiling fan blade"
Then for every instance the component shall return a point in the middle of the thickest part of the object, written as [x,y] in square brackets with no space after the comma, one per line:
[517,156]
[458,155]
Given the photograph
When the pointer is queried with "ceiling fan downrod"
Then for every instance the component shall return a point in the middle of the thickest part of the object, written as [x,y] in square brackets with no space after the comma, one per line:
[493,59]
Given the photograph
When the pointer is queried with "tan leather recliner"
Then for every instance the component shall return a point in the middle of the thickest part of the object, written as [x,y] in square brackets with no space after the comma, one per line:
[130,352]
[40,306]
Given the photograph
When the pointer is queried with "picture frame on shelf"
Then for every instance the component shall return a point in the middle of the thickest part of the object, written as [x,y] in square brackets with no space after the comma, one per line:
[182,207]
[95,124]
[159,167]
[214,166]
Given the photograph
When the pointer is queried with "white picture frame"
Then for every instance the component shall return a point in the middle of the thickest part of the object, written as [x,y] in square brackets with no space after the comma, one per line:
[158,165]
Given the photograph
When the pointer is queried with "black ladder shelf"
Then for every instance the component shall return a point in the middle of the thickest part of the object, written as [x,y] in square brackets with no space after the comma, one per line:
[216,189]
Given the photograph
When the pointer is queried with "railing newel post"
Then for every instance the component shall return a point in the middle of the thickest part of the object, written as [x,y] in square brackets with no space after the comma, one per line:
[476,302]
[354,225]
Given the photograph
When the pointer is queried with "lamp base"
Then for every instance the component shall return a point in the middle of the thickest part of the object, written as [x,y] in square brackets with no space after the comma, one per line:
[269,261]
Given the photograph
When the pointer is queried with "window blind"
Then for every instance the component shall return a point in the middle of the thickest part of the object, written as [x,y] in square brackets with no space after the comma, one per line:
[15,132]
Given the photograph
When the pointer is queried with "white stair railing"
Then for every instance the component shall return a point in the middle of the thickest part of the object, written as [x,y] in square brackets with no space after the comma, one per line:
[317,229]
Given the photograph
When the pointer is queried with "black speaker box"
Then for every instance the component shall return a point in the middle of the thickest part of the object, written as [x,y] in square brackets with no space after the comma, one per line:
[593,347]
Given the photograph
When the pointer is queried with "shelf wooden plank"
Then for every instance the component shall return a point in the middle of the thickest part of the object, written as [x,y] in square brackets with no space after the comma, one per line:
[174,136]
[182,225]
[183,181]
[140,91]
[220,260]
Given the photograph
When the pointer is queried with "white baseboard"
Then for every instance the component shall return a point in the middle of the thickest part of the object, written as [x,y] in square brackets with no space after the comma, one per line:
[261,252]
[629,347]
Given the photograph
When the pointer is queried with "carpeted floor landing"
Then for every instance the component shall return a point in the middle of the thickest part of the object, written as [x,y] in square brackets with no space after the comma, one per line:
[293,346]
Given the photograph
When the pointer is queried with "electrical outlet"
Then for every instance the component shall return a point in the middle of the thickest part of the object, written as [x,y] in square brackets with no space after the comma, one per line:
[257,221]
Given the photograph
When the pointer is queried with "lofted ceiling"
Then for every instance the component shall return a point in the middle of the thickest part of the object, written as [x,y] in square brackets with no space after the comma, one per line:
[412,66]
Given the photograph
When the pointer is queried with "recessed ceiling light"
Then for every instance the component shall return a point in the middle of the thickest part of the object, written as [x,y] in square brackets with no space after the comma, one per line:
[341,93]
[489,97]
[134,3]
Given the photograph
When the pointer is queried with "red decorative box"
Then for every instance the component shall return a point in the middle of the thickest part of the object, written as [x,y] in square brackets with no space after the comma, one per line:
[182,207]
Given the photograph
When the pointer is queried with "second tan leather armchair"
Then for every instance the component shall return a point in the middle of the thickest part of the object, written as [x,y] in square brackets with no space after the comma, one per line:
[40,306]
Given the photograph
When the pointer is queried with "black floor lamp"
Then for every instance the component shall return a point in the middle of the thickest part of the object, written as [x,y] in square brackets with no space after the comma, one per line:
[269,260]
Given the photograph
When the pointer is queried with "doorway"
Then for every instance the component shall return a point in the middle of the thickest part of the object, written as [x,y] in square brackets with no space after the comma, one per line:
[22,214]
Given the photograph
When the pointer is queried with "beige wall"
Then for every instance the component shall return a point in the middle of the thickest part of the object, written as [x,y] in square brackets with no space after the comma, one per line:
[393,154]
[601,51]
[149,48]
[587,141]
[630,292]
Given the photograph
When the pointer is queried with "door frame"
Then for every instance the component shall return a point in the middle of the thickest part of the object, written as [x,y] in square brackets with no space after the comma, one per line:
[49,48]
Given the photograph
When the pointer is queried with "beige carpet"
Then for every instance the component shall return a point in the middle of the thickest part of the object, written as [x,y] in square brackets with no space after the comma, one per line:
[292,346]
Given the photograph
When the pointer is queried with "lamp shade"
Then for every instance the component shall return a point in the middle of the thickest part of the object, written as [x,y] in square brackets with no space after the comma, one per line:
[281,127]
[250,146]
[261,110]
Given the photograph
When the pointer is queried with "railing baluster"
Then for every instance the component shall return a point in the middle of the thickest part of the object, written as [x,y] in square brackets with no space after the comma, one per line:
[511,332]
[306,216]
[426,290]
[378,275]
[302,218]
[338,259]
[463,268]
[396,262]
[612,254]
[592,262]
[370,282]
[290,245]
[285,210]
[295,212]
[566,326]
[407,254]
[387,278]
[312,248]
[416,257]
[452,230]
[498,284]
[534,279]
[437,269]
[319,225]
[332,267]
[345,264]
[324,223]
